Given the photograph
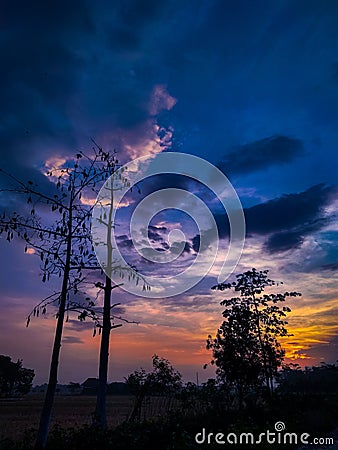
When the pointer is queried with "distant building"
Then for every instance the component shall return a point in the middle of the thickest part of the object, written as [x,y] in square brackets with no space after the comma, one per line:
[90,386]
[61,389]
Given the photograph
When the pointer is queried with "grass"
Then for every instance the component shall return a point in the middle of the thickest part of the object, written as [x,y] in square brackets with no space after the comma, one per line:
[18,415]
[72,415]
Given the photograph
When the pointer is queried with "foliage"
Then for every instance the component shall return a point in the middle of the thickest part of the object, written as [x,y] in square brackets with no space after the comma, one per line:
[164,380]
[63,243]
[74,387]
[61,239]
[14,379]
[311,380]
[177,432]
[208,398]
[313,414]
[246,349]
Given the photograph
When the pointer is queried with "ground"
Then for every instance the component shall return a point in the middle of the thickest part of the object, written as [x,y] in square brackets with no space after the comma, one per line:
[18,415]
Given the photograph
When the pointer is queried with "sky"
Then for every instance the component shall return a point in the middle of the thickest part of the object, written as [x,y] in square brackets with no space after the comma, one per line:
[251,87]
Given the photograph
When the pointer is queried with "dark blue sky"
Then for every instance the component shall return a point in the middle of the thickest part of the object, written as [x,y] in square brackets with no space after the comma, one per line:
[251,86]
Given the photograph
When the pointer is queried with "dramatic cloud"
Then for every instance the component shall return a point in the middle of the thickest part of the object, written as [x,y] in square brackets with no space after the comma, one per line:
[154,233]
[65,82]
[284,241]
[290,211]
[42,69]
[285,220]
[261,154]
[236,83]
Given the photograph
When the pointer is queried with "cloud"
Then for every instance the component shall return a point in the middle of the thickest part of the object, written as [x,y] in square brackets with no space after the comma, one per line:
[42,69]
[124,242]
[284,241]
[331,351]
[154,248]
[76,70]
[330,266]
[289,211]
[160,100]
[73,72]
[285,220]
[261,154]
[153,233]
[72,340]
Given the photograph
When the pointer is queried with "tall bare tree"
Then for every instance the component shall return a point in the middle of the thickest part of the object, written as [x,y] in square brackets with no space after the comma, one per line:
[111,264]
[62,240]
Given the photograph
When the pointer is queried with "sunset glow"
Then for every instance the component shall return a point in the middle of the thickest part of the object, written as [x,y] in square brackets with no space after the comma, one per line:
[246,90]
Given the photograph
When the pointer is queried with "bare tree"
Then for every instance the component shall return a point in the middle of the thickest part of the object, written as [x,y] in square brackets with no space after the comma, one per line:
[111,264]
[62,240]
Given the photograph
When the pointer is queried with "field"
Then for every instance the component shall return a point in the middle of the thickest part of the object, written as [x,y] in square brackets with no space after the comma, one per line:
[313,414]
[18,415]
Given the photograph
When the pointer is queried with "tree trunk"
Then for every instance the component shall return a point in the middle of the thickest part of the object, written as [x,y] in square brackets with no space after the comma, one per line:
[266,374]
[52,382]
[46,412]
[100,415]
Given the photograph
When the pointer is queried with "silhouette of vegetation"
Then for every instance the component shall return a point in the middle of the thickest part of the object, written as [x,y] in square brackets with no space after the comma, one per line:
[305,400]
[311,380]
[63,244]
[208,398]
[74,388]
[105,203]
[163,379]
[246,350]
[204,406]
[14,379]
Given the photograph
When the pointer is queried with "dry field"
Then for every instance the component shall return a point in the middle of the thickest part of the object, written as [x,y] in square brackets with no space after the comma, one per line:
[17,415]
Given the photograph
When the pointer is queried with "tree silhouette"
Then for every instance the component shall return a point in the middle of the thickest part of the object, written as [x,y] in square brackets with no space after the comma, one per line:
[311,380]
[63,242]
[163,379]
[14,379]
[111,264]
[246,349]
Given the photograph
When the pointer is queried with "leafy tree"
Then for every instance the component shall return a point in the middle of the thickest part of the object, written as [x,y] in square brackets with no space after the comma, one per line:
[246,349]
[164,379]
[206,399]
[14,379]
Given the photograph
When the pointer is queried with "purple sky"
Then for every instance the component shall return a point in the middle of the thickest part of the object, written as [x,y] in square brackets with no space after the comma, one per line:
[251,87]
